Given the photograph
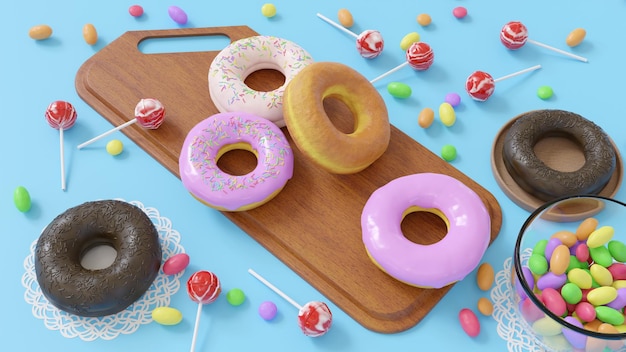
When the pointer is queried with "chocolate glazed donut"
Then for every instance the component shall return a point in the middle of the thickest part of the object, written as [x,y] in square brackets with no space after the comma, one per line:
[543,182]
[90,293]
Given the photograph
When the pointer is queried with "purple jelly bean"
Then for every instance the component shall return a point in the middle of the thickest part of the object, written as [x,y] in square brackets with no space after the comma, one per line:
[620,301]
[551,280]
[177,14]
[576,339]
[530,280]
[552,244]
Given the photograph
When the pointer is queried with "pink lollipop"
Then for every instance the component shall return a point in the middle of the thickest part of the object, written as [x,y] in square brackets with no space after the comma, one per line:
[314,318]
[419,56]
[480,85]
[61,115]
[369,43]
[203,287]
[149,113]
[515,34]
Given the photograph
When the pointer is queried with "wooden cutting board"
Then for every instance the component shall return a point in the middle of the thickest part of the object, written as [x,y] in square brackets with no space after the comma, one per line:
[313,225]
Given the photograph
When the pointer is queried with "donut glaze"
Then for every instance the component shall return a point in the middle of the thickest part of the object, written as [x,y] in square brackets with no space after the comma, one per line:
[91,293]
[237,61]
[543,182]
[428,266]
[211,138]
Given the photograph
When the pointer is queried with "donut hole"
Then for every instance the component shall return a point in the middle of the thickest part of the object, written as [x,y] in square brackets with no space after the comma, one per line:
[98,255]
[265,80]
[237,159]
[339,114]
[424,226]
[560,152]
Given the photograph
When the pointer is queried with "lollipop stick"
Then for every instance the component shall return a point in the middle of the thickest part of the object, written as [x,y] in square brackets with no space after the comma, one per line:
[275,289]
[195,328]
[337,25]
[517,73]
[390,72]
[62,159]
[580,58]
[126,124]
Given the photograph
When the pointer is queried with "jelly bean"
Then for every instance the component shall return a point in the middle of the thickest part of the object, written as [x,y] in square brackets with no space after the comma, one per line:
[601,255]
[546,326]
[553,242]
[176,263]
[424,19]
[167,315]
[530,311]
[582,252]
[567,238]
[409,39]
[575,37]
[620,301]
[469,322]
[90,34]
[609,315]
[21,199]
[574,263]
[268,310]
[40,32]
[399,90]
[485,307]
[571,293]
[600,237]
[459,12]
[485,276]
[268,10]
[540,247]
[538,264]
[601,295]
[453,99]
[559,261]
[135,10]
[613,345]
[585,311]
[619,284]
[601,275]
[345,18]
[448,152]
[551,280]
[177,14]
[545,92]
[618,271]
[115,147]
[447,114]
[553,301]
[235,297]
[593,325]
[576,339]
[580,278]
[617,250]
[585,228]
[426,117]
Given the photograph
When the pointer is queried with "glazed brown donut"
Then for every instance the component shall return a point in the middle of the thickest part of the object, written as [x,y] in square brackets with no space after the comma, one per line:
[543,182]
[90,293]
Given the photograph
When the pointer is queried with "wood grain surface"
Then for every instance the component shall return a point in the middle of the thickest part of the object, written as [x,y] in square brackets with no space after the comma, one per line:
[313,225]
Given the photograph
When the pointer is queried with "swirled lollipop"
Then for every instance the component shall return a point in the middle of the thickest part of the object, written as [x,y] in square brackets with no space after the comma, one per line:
[61,115]
[480,85]
[369,43]
[419,56]
[514,35]
[203,287]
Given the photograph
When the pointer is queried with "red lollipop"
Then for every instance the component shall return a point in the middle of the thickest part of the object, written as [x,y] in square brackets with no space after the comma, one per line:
[480,85]
[203,287]
[419,56]
[514,35]
[61,115]
[369,43]
[149,113]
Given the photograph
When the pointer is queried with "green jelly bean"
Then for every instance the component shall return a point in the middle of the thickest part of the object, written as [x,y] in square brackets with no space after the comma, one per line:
[21,198]
[540,247]
[601,255]
[448,152]
[609,315]
[399,90]
[571,293]
[580,278]
[617,250]
[574,263]
[545,92]
[538,264]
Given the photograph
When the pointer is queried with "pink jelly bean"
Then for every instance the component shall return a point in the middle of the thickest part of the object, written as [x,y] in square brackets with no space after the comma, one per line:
[576,339]
[469,322]
[582,253]
[585,311]
[552,244]
[619,302]
[530,311]
[553,301]
[618,271]
[551,280]
[176,264]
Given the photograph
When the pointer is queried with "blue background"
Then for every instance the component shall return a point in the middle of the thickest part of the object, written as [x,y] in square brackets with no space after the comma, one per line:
[33,74]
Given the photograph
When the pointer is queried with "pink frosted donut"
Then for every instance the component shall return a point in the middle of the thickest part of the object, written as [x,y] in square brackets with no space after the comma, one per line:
[211,138]
[428,266]
[237,61]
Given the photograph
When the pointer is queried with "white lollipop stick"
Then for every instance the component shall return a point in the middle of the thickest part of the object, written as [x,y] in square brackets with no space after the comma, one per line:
[62,159]
[337,25]
[557,50]
[195,328]
[517,73]
[275,289]
[125,124]
[397,68]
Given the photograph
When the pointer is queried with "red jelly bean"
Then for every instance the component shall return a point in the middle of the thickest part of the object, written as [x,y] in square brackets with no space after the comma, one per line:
[530,311]
[469,322]
[582,252]
[585,311]
[554,301]
[176,264]
[618,271]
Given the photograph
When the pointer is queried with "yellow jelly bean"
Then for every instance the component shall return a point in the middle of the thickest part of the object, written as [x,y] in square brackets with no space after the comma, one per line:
[546,326]
[167,315]
[601,295]
[568,238]
[575,37]
[115,147]
[40,32]
[447,114]
[90,34]
[345,18]
[426,117]
[268,10]
[580,278]
[619,284]
[409,39]
[485,276]
[559,261]
[586,228]
[600,237]
[601,274]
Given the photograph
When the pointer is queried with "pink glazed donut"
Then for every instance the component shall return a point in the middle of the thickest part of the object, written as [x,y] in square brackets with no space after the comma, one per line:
[427,266]
[223,132]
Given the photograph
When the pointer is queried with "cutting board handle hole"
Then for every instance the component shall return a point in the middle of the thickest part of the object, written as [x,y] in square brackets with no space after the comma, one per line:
[423,227]
[184,44]
[560,153]
[339,114]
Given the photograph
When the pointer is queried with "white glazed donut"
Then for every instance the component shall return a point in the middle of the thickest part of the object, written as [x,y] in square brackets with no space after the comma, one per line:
[234,63]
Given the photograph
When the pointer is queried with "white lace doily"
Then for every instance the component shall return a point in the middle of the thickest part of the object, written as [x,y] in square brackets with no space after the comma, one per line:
[124,322]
